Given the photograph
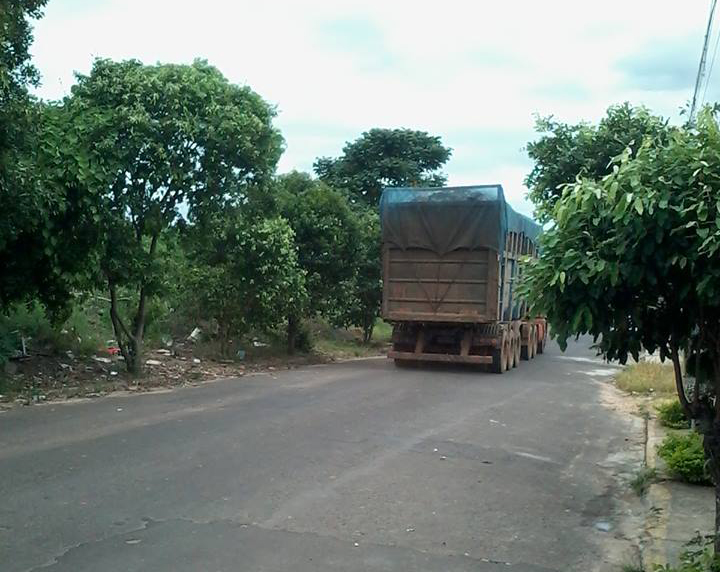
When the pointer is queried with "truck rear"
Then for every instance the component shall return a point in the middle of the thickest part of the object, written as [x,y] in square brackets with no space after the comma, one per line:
[451,262]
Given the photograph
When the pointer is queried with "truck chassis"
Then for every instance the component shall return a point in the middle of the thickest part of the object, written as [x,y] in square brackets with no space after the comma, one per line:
[499,345]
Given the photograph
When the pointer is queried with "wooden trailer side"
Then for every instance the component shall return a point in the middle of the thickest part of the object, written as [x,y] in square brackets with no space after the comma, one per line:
[458,287]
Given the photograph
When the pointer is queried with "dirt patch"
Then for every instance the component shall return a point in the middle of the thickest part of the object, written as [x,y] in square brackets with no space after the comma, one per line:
[40,378]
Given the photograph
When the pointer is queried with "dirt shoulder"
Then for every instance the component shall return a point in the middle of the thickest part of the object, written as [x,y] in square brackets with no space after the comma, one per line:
[42,378]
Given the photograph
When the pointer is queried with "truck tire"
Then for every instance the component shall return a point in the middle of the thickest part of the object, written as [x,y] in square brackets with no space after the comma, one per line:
[517,347]
[525,348]
[532,345]
[500,356]
[542,337]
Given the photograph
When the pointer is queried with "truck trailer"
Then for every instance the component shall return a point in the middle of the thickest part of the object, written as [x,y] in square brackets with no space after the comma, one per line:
[451,264]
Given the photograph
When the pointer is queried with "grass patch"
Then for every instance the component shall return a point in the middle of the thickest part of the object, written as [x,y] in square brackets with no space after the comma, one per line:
[343,344]
[647,378]
[642,480]
[632,568]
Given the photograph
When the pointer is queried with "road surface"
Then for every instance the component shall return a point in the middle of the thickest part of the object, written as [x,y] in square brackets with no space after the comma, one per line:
[353,466]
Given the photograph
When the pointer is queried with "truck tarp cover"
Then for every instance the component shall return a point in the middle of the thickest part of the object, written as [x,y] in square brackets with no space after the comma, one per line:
[443,219]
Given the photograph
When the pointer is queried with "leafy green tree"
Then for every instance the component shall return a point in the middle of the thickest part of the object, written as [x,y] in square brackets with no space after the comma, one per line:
[326,233]
[164,137]
[29,207]
[633,259]
[564,151]
[246,276]
[385,157]
[364,290]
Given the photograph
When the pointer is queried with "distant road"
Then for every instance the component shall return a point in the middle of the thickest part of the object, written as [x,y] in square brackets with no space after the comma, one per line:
[357,466]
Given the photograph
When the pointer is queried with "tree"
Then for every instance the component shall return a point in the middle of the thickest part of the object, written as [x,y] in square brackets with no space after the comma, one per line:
[633,259]
[364,291]
[326,233]
[166,138]
[565,151]
[385,157]
[247,277]
[28,206]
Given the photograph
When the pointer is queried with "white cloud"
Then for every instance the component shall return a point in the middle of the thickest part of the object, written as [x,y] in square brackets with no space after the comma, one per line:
[337,68]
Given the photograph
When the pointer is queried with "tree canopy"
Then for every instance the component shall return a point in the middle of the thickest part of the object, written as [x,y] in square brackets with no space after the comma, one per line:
[163,138]
[565,151]
[385,157]
[245,275]
[326,232]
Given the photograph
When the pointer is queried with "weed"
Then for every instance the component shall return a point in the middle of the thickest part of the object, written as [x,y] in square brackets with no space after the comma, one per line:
[642,480]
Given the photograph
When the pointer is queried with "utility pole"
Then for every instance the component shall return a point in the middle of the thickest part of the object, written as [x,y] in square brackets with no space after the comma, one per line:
[703,61]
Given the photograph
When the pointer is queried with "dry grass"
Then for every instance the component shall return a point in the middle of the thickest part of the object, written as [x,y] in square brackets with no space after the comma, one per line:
[647,378]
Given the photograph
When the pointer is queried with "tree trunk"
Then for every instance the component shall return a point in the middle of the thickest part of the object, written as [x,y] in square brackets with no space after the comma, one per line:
[292,331]
[134,365]
[368,328]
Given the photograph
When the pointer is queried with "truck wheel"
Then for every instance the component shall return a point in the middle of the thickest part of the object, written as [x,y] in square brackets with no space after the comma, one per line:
[500,356]
[542,338]
[517,346]
[524,348]
[532,345]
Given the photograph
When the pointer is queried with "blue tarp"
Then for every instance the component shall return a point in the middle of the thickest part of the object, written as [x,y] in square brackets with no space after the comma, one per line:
[443,219]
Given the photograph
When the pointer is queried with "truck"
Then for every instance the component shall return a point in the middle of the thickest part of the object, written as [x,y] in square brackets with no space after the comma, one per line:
[451,263]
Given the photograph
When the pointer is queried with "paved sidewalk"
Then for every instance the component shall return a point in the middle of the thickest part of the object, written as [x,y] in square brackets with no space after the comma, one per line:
[677,511]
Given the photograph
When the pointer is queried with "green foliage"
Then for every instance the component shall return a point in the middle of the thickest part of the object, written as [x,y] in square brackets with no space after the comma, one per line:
[245,277]
[642,480]
[38,257]
[696,557]
[362,306]
[632,258]
[685,457]
[671,414]
[83,332]
[15,38]
[327,234]
[565,152]
[158,137]
[382,158]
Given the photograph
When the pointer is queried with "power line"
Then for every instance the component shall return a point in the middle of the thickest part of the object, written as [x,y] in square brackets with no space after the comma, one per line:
[712,64]
[703,59]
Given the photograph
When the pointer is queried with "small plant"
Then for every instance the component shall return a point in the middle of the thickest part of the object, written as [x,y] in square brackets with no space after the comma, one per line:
[633,568]
[642,481]
[671,415]
[697,557]
[685,457]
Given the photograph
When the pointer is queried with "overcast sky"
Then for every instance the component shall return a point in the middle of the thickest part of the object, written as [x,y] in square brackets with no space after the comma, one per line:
[472,72]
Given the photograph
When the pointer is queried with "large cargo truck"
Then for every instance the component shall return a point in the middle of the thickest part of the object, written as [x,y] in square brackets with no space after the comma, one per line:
[451,264]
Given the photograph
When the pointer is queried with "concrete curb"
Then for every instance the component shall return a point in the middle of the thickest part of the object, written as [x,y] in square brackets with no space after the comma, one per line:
[674,510]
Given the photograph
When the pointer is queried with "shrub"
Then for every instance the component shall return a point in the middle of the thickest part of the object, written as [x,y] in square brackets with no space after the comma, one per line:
[671,415]
[685,457]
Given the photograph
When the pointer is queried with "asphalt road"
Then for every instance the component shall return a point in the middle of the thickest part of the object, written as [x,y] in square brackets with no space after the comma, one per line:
[349,467]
